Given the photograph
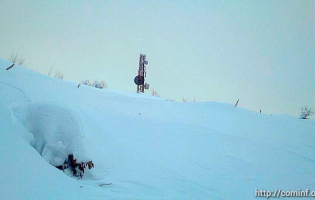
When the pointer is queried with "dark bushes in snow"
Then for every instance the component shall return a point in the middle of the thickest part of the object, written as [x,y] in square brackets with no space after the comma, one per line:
[77,168]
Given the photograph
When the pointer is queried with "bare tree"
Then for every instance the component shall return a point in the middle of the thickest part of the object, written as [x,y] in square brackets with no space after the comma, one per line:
[184,100]
[306,112]
[59,75]
[14,58]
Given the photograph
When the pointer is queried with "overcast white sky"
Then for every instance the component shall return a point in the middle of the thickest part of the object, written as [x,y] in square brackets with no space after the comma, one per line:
[261,52]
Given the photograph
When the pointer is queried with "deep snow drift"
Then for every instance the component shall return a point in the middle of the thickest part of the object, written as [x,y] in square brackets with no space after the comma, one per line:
[56,131]
[146,147]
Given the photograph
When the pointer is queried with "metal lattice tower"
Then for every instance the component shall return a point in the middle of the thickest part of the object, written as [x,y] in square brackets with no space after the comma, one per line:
[139,80]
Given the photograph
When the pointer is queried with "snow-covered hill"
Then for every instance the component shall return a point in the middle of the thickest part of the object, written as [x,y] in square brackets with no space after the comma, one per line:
[146,147]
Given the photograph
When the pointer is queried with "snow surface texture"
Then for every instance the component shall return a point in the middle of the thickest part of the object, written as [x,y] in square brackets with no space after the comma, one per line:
[147,147]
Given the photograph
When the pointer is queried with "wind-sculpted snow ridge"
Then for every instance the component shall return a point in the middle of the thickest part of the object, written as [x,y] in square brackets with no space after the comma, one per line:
[57,131]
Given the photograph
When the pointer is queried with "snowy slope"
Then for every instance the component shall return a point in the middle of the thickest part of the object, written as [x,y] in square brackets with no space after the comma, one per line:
[148,148]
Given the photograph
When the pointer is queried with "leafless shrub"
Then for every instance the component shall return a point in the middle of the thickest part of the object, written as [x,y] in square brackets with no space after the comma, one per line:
[306,112]
[14,58]
[186,100]
[96,83]
[49,73]
[154,93]
[86,82]
[103,84]
[59,75]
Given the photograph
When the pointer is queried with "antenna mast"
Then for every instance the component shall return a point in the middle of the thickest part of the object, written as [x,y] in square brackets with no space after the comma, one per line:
[139,80]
